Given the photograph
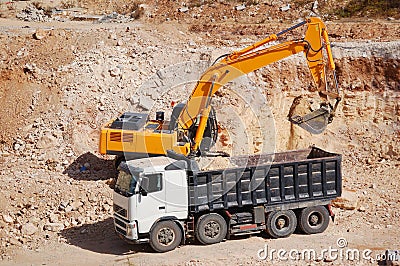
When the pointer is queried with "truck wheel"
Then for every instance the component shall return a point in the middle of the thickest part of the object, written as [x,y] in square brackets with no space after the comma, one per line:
[281,223]
[314,219]
[165,236]
[211,228]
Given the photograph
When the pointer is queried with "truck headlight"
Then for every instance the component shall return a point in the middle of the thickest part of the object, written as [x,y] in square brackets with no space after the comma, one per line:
[131,230]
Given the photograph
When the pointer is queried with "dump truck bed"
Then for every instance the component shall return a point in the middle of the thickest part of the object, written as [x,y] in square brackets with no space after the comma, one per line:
[291,178]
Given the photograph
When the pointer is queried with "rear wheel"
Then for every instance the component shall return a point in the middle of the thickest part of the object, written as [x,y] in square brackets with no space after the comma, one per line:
[281,223]
[314,220]
[165,236]
[211,228]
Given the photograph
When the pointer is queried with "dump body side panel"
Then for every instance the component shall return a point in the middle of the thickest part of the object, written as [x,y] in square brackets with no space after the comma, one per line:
[289,177]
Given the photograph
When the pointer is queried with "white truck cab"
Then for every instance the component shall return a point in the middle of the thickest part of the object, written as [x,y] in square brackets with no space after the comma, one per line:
[149,190]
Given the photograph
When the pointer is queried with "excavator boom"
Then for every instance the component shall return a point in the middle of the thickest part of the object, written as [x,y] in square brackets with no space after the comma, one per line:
[255,57]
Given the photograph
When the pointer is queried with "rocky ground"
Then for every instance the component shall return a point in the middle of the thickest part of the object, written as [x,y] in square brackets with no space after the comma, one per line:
[63,76]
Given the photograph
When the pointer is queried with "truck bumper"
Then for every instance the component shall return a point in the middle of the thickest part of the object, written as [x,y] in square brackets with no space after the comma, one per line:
[126,229]
[130,241]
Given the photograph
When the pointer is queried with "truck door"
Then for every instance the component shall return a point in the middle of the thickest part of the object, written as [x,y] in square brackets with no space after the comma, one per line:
[152,206]
[176,193]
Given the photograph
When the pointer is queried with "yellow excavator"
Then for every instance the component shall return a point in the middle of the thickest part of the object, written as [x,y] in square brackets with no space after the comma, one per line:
[192,129]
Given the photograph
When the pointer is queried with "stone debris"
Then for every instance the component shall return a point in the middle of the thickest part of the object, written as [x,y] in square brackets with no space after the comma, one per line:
[145,102]
[285,8]
[115,18]
[7,218]
[31,13]
[115,72]
[39,34]
[315,5]
[53,227]
[183,9]
[240,7]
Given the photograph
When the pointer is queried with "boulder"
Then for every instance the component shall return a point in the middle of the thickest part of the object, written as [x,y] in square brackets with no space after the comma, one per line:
[47,141]
[28,229]
[53,227]
[348,200]
[8,219]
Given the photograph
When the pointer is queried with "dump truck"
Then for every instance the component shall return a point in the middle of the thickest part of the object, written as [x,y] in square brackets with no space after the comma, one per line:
[167,200]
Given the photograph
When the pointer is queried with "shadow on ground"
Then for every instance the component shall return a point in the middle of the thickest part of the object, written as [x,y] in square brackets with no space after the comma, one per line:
[89,167]
[101,238]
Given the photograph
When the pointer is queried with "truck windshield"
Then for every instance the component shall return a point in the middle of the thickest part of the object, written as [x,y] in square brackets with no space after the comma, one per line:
[126,183]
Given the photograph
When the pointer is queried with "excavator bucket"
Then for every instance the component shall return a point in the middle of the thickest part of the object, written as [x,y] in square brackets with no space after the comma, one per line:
[314,122]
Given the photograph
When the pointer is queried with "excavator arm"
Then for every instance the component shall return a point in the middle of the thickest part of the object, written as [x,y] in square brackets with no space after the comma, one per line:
[255,57]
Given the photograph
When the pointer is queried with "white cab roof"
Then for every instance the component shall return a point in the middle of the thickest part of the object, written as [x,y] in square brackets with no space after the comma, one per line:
[151,164]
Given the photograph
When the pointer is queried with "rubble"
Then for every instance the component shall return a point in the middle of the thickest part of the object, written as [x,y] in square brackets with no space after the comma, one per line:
[31,13]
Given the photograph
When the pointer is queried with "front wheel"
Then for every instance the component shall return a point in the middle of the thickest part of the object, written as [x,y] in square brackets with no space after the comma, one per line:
[281,223]
[211,228]
[165,236]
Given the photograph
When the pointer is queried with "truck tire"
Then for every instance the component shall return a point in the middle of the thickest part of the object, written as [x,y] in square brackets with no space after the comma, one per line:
[281,224]
[211,228]
[314,220]
[165,236]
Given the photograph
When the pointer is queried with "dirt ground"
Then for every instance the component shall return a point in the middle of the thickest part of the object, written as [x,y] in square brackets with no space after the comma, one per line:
[62,78]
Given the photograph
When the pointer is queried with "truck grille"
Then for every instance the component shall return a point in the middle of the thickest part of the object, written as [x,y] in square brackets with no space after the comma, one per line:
[120,211]
[120,230]
[120,225]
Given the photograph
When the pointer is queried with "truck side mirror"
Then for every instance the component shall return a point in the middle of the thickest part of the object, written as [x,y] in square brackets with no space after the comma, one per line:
[144,186]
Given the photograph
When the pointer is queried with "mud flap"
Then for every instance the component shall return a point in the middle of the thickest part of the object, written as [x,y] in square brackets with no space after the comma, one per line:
[331,214]
[314,122]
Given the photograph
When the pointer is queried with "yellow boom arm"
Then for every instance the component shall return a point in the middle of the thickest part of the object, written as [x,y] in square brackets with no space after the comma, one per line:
[251,58]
